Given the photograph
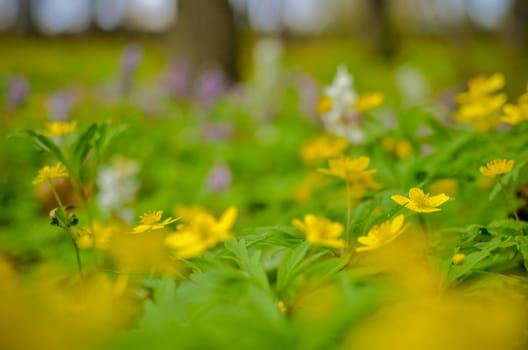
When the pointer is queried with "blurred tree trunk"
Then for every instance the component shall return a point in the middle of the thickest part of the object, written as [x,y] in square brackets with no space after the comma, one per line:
[206,32]
[24,24]
[383,34]
[519,30]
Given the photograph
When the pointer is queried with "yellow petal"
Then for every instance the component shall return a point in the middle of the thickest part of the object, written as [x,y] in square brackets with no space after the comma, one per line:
[397,223]
[416,193]
[299,224]
[438,200]
[228,218]
[401,200]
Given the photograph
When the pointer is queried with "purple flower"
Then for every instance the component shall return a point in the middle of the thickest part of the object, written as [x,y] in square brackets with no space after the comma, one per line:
[17,92]
[59,105]
[178,79]
[219,178]
[129,61]
[217,131]
[209,86]
[426,149]
[308,95]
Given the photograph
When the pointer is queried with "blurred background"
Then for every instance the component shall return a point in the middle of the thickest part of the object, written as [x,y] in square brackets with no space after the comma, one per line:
[437,42]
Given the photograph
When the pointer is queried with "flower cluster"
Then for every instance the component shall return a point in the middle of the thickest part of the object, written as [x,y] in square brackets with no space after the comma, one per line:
[340,107]
[516,113]
[481,104]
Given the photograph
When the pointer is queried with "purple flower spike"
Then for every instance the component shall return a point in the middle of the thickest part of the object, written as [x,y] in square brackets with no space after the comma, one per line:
[209,86]
[219,178]
[131,57]
[17,92]
[178,79]
[217,131]
[60,105]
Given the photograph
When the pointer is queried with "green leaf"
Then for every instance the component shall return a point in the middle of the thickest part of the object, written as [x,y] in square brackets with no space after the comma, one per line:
[82,147]
[252,264]
[45,144]
[522,246]
[290,265]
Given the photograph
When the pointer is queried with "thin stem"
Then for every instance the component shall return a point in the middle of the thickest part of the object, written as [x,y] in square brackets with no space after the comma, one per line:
[349,211]
[425,228]
[503,190]
[56,195]
[78,255]
[67,229]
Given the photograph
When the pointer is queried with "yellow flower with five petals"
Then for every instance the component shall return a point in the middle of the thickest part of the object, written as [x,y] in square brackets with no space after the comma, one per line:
[51,172]
[497,167]
[347,168]
[150,221]
[321,231]
[383,234]
[323,147]
[60,128]
[202,233]
[421,202]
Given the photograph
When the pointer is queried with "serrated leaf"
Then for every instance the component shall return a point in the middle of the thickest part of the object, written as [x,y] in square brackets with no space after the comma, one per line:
[289,264]
[252,264]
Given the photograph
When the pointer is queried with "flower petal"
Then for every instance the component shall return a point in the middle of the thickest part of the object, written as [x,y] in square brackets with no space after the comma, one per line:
[438,200]
[401,200]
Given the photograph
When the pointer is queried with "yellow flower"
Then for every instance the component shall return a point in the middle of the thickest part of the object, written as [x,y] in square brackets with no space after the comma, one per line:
[399,148]
[202,233]
[382,234]
[59,128]
[189,212]
[479,106]
[50,172]
[515,114]
[458,259]
[321,231]
[282,307]
[368,101]
[323,147]
[150,221]
[324,105]
[360,185]
[420,202]
[347,168]
[99,238]
[497,167]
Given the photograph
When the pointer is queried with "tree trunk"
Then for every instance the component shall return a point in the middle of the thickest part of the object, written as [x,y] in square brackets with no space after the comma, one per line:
[206,33]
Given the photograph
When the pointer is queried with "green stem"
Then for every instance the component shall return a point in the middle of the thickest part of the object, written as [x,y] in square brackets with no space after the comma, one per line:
[349,211]
[56,195]
[67,229]
[425,228]
[503,190]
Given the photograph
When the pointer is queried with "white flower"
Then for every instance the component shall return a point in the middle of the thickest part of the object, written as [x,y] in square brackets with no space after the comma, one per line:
[118,186]
[342,119]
